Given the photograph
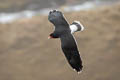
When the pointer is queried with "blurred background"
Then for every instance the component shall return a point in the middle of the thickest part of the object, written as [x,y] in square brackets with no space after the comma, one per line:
[27,54]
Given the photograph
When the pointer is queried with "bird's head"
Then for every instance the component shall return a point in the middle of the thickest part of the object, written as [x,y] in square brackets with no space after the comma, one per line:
[53,36]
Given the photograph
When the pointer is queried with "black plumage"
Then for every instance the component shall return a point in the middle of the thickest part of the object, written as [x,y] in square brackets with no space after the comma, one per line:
[68,43]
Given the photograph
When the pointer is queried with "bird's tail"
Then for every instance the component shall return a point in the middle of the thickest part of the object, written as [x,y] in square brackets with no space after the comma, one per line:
[76,26]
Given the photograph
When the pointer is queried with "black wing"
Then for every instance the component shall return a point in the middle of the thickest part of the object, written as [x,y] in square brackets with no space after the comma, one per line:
[71,52]
[58,19]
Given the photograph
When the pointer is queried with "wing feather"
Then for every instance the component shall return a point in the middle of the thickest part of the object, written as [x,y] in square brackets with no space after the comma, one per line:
[71,52]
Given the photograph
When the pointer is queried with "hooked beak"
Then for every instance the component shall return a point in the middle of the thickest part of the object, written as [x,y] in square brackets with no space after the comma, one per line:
[49,37]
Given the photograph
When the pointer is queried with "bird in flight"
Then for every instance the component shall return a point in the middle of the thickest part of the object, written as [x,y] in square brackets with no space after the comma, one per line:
[64,31]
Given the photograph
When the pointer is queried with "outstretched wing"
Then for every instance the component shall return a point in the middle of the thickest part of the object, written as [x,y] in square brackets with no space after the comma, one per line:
[58,19]
[71,52]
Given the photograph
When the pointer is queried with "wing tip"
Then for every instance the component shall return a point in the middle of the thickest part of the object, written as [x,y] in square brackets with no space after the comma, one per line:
[79,71]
